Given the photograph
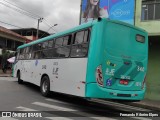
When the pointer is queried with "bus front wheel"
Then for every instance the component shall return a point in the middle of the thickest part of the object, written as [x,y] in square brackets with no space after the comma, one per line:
[19,78]
[45,86]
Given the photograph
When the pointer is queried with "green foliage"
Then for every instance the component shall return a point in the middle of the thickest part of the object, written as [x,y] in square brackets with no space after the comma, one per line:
[5,55]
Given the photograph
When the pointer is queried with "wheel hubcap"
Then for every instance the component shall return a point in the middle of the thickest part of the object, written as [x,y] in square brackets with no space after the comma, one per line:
[44,86]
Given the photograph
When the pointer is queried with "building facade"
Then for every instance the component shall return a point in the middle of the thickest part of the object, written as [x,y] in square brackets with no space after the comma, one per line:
[147,17]
[31,33]
[10,40]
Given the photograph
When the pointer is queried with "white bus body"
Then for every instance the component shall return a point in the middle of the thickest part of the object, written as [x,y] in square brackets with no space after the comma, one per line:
[66,75]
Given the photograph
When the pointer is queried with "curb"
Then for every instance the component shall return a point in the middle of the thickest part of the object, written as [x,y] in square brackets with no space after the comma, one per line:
[7,75]
[147,105]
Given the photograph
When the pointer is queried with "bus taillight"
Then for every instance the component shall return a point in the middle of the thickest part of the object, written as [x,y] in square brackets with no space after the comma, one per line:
[123,82]
[99,75]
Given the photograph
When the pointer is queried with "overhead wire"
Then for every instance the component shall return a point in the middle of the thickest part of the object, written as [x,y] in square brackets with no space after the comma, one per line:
[22,12]
[23,9]
[49,25]
[25,12]
[10,24]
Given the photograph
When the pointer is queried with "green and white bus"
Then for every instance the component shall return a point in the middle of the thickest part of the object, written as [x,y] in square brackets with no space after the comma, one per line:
[101,59]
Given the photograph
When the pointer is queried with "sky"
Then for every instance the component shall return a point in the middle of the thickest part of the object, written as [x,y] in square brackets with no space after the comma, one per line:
[64,13]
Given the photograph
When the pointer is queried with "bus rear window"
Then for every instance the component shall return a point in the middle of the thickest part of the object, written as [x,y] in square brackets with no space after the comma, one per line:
[140,38]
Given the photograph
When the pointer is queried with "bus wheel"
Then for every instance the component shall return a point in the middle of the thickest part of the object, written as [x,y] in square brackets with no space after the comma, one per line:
[45,86]
[19,78]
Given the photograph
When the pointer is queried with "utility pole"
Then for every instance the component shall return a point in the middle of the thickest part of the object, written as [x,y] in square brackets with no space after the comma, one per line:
[39,20]
[50,28]
[80,16]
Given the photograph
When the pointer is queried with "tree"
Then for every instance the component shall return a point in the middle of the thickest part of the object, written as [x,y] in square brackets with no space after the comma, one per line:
[5,56]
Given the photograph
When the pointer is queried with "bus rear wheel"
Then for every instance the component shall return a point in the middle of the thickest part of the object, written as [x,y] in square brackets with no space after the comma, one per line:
[19,78]
[45,86]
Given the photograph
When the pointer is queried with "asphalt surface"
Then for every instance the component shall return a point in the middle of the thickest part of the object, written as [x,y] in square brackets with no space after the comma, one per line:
[26,102]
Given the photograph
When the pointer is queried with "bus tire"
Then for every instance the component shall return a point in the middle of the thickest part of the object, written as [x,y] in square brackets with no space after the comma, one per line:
[45,86]
[19,78]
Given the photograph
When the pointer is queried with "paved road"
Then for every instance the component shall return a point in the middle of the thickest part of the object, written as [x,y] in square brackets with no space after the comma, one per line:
[24,98]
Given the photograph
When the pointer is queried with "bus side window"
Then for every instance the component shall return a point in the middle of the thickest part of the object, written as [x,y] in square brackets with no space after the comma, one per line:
[17,54]
[36,51]
[80,44]
[65,49]
[50,44]
[67,40]
[45,45]
[86,36]
[59,42]
[56,50]
[79,37]
[22,53]
[48,53]
[37,47]
[28,52]
[37,55]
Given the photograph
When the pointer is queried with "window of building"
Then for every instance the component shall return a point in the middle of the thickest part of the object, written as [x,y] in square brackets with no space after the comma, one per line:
[10,44]
[150,10]
[2,43]
[17,44]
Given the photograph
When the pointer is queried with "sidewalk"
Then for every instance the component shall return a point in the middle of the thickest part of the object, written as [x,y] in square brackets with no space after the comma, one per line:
[7,74]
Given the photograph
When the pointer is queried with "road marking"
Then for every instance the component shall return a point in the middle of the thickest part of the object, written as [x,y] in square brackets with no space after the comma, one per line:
[141,118]
[25,109]
[52,100]
[58,118]
[53,106]
[7,118]
[120,105]
[73,118]
[68,109]
[102,118]
[8,79]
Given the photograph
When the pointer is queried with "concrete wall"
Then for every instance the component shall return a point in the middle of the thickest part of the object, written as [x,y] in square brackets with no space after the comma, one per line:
[152,26]
[153,74]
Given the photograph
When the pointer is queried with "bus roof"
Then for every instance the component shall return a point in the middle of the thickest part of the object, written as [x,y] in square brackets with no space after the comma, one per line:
[82,26]
[57,35]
